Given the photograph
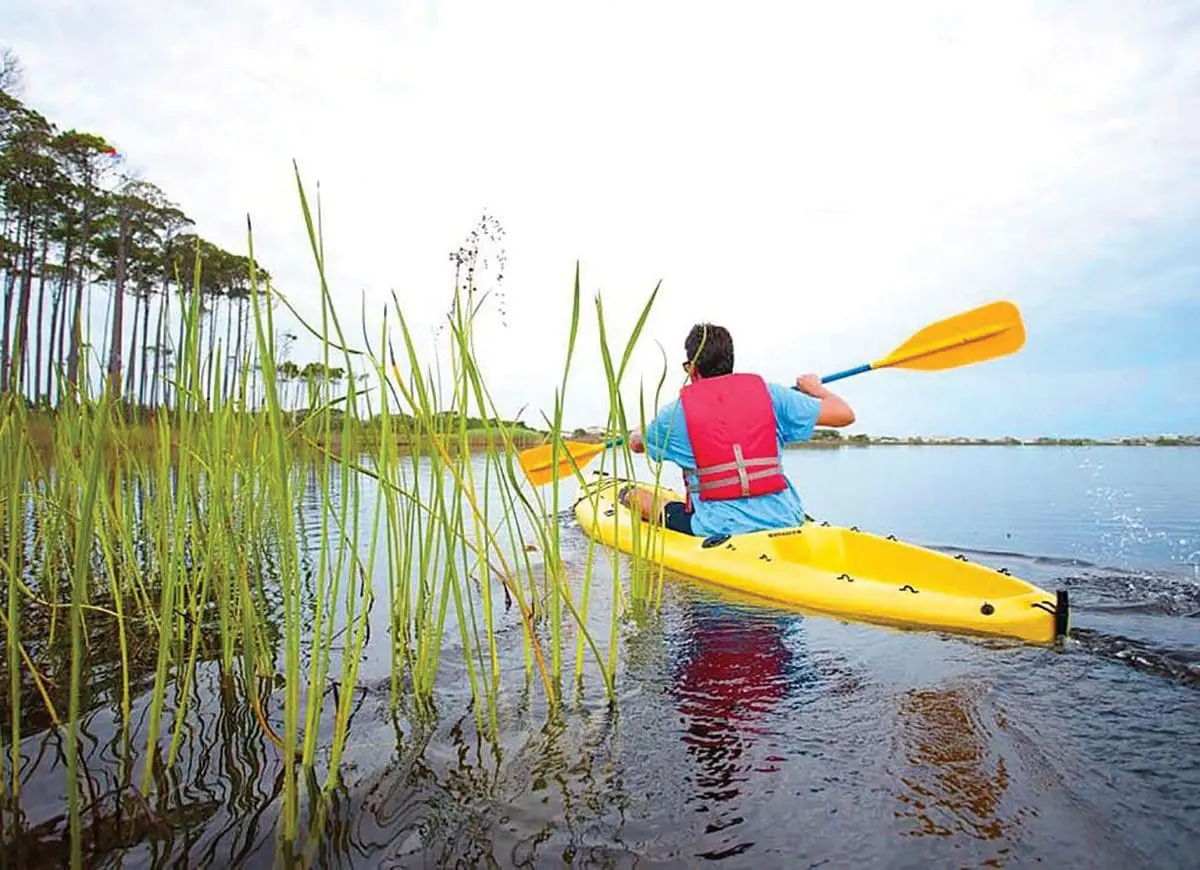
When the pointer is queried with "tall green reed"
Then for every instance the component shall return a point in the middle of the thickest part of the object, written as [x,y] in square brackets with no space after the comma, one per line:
[175,542]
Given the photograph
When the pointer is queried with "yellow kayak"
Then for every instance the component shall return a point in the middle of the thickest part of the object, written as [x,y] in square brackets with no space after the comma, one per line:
[838,571]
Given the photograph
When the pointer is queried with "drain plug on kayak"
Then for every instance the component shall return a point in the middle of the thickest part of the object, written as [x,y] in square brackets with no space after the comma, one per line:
[987,609]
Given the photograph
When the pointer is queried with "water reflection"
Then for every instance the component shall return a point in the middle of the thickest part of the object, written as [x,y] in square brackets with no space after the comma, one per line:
[732,669]
[216,806]
[956,777]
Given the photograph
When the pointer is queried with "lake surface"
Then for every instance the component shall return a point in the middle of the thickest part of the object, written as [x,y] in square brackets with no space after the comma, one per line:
[749,735]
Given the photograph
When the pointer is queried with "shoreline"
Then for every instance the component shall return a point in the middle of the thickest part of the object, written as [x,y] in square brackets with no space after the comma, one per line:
[826,442]
[141,433]
[826,439]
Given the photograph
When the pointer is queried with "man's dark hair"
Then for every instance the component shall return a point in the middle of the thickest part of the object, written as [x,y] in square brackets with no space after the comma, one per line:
[710,347]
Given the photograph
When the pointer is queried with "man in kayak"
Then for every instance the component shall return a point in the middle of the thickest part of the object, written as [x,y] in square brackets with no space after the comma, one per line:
[726,432]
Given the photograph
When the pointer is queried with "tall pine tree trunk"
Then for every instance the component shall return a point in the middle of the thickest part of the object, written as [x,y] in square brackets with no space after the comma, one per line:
[132,359]
[160,347]
[77,313]
[145,353]
[39,323]
[18,359]
[177,356]
[10,285]
[227,352]
[118,320]
[237,352]
[212,350]
[58,321]
[10,291]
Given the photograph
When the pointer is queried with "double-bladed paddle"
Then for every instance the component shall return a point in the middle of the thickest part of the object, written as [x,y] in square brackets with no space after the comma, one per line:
[987,332]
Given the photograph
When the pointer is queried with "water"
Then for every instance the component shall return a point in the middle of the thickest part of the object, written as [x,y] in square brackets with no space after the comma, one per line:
[753,736]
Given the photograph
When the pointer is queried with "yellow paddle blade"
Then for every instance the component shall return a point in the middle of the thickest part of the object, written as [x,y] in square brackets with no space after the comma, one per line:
[983,333]
[539,465]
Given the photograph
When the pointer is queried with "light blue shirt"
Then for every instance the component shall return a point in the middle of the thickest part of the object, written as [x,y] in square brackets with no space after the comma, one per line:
[667,440]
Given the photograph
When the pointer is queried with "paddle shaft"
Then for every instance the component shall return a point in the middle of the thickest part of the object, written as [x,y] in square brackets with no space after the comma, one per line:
[994,330]
[846,373]
[837,376]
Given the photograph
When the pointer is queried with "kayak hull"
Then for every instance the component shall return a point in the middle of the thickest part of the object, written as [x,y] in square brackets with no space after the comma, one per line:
[836,570]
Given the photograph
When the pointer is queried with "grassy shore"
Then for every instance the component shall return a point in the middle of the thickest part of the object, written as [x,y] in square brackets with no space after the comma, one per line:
[146,433]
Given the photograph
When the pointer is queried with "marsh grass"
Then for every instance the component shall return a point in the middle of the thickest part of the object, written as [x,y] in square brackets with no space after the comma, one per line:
[136,551]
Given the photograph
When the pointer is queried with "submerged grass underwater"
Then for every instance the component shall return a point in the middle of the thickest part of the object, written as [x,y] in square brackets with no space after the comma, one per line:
[143,561]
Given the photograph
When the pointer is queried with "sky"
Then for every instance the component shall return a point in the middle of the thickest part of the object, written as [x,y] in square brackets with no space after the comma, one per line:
[823,179]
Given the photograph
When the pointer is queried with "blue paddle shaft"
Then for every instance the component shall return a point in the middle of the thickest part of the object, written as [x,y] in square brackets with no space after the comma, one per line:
[837,376]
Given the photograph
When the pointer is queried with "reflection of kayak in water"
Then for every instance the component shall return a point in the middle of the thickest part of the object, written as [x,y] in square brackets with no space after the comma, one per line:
[839,571]
[731,669]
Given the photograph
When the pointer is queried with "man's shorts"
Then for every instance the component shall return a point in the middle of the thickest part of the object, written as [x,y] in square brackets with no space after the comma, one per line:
[676,518]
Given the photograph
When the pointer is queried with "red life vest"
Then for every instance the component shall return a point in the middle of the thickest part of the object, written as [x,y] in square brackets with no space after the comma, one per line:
[730,423]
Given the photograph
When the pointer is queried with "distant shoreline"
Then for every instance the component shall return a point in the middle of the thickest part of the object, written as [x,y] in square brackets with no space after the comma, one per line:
[822,441]
[827,438]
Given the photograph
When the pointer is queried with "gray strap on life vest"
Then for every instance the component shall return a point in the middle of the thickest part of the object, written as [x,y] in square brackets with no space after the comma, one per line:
[770,466]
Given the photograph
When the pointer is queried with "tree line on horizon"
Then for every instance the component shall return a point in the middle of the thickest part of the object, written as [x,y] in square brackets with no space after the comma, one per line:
[82,240]
[80,237]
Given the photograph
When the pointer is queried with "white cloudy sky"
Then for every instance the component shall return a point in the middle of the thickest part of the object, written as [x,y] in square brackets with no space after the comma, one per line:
[821,178]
